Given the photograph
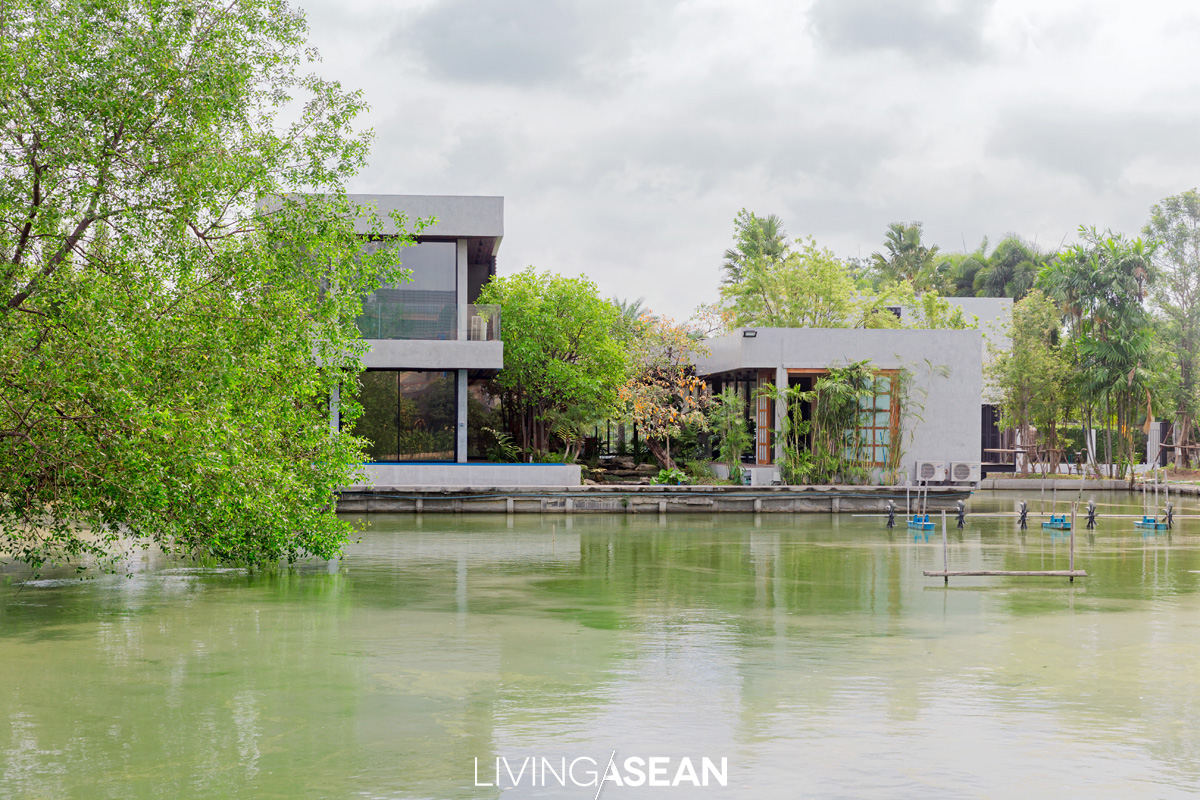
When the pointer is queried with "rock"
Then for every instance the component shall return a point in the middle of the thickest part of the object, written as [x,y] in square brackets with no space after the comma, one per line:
[620,462]
[646,469]
[590,482]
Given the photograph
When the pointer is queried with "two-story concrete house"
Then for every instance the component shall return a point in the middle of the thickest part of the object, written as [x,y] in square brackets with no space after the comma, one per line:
[432,348]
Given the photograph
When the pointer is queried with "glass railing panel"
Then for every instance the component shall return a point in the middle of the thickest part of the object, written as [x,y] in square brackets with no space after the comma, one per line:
[401,314]
[483,323]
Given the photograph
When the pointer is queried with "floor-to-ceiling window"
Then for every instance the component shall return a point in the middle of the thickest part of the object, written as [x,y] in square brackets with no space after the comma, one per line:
[423,307]
[408,415]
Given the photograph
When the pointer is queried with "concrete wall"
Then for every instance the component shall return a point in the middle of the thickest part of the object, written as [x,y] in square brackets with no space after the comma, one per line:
[995,315]
[942,419]
[992,315]
[434,354]
[476,475]
[457,216]
[646,500]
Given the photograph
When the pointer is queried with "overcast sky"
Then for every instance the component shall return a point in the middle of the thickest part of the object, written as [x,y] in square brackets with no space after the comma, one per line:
[625,135]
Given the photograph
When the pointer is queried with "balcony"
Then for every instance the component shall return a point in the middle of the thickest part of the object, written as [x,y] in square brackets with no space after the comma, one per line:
[428,316]
[483,323]
[429,334]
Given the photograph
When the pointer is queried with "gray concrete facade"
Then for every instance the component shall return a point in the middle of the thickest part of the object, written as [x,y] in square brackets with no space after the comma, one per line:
[458,217]
[992,315]
[467,474]
[941,420]
[475,226]
[434,354]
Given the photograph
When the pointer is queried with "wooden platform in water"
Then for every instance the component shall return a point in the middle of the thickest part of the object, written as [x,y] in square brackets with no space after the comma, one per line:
[996,573]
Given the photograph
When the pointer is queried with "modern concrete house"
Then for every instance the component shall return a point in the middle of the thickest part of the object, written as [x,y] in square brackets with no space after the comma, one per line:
[939,421]
[432,348]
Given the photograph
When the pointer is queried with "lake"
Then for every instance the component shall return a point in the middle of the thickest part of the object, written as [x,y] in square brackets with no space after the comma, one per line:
[785,656]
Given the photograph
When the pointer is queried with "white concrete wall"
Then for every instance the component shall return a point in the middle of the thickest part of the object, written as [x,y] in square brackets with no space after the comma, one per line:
[942,419]
[476,475]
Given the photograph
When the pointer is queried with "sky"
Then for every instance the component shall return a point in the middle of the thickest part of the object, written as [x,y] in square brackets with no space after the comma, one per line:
[625,135]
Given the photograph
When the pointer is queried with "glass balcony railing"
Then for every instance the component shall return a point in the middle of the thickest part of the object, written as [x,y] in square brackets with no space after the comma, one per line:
[401,314]
[483,323]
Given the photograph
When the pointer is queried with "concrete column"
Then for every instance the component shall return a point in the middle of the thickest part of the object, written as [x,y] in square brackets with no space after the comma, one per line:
[460,449]
[462,289]
[781,382]
[335,402]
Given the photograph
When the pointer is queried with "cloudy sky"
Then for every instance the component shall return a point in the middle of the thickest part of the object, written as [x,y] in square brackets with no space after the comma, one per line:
[625,135]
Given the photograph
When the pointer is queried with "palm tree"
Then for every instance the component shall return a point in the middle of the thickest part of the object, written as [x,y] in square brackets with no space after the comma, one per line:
[756,237]
[908,259]
[1100,285]
[1011,270]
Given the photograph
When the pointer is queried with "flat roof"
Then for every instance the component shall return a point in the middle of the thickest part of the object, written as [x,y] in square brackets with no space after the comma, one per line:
[458,216]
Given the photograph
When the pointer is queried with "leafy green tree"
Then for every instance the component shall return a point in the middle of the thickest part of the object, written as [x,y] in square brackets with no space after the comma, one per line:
[811,288]
[1033,376]
[807,288]
[168,345]
[1175,228]
[560,352]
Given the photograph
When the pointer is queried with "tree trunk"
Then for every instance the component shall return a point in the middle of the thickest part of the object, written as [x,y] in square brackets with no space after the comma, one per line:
[1108,439]
[1179,436]
[661,454]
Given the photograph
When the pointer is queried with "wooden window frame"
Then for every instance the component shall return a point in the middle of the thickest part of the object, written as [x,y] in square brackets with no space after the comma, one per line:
[893,425]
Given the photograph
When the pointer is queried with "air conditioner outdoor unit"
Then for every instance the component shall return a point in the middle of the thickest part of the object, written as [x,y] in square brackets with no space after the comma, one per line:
[964,472]
[931,471]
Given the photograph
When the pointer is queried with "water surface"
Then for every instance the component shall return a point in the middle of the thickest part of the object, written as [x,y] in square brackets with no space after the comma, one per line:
[808,650]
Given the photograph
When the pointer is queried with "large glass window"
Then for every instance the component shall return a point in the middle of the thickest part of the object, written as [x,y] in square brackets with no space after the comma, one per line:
[407,415]
[422,308]
[878,416]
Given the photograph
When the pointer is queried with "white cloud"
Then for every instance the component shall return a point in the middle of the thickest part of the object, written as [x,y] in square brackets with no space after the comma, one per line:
[626,135]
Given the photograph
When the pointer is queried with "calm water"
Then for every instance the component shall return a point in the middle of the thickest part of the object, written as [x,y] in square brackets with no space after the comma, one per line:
[808,651]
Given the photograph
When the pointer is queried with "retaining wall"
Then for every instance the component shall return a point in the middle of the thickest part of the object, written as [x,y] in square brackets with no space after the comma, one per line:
[642,499]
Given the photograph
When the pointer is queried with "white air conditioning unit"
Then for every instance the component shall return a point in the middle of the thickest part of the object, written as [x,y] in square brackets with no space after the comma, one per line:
[964,472]
[930,472]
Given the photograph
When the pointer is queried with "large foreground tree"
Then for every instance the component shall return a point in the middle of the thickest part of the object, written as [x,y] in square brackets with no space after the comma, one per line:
[563,358]
[167,345]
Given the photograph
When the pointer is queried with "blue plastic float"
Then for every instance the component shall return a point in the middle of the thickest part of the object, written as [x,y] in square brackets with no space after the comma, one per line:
[920,522]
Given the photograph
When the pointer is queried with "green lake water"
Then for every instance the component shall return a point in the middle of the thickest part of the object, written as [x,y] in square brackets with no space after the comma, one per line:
[808,651]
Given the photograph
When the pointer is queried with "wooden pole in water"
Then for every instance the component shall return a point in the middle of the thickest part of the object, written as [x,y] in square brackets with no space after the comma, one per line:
[945,554]
[1156,492]
[1071,565]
